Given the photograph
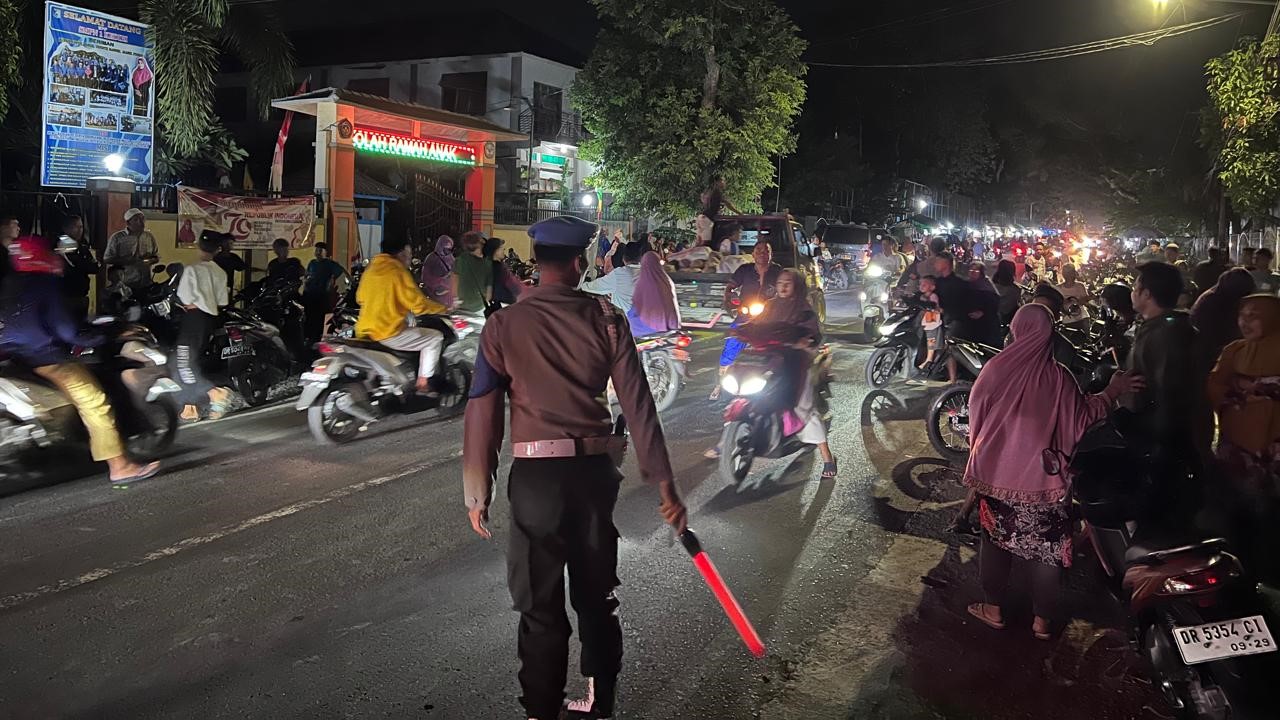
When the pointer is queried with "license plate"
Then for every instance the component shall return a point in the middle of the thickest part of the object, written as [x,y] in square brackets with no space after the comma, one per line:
[307,377]
[235,350]
[680,355]
[1229,638]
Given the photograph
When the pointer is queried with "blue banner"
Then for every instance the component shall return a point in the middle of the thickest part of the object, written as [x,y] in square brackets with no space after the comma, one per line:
[99,97]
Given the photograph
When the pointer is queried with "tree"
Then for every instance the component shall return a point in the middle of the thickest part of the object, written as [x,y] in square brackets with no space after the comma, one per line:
[678,91]
[1241,125]
[189,37]
[10,52]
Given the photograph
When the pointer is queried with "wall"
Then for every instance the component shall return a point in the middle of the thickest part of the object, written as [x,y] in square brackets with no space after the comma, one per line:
[516,238]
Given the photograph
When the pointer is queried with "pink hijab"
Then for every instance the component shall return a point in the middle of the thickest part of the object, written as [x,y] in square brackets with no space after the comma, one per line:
[1022,404]
[654,301]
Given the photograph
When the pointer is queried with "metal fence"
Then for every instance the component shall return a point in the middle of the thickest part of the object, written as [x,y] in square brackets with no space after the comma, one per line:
[41,212]
[527,216]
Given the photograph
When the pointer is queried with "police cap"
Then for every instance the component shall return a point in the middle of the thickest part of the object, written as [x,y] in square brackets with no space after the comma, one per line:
[564,231]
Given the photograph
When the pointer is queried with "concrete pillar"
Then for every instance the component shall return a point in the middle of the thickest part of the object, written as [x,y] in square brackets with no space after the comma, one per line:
[337,166]
[112,196]
[481,186]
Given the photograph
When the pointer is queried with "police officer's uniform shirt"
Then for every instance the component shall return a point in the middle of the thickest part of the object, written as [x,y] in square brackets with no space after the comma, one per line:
[552,355]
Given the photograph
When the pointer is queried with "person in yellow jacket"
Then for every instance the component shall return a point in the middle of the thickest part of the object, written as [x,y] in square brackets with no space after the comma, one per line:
[387,296]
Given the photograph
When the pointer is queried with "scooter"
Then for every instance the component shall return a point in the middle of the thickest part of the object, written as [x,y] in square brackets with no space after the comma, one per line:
[356,383]
[898,346]
[38,422]
[755,425]
[948,420]
[1199,621]
[874,299]
[665,359]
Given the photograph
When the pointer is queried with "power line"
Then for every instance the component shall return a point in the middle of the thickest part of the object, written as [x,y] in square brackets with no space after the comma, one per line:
[1145,38]
[922,19]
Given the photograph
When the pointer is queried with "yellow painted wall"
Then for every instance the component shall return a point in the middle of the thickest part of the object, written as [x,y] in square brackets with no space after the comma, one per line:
[517,238]
[164,226]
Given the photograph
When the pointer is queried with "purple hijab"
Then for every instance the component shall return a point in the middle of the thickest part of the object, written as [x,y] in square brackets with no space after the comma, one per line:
[653,306]
[437,272]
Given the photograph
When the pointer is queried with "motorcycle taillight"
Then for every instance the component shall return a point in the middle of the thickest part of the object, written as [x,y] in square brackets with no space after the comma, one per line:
[683,341]
[325,348]
[1221,570]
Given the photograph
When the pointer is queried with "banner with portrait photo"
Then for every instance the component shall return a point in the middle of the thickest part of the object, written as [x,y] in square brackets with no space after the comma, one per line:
[99,97]
[253,222]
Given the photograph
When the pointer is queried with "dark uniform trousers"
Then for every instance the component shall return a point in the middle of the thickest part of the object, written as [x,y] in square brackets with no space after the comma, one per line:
[562,514]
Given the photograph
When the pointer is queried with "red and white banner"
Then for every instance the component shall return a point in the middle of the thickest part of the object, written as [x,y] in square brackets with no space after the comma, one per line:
[276,182]
[253,222]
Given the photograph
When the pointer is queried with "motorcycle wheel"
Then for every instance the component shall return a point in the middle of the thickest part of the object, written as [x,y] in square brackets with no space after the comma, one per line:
[454,400]
[162,427]
[329,425]
[884,363]
[736,452]
[948,424]
[664,380]
[252,385]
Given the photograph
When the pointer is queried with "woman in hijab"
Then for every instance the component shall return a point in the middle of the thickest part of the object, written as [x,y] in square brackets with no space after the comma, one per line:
[1214,313]
[1022,405]
[1244,388]
[653,305]
[437,272]
[790,309]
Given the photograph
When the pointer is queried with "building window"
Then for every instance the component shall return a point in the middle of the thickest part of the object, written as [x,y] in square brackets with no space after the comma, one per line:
[464,92]
[546,109]
[231,103]
[371,86]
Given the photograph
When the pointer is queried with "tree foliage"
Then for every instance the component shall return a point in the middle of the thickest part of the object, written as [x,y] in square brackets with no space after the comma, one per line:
[189,37]
[10,51]
[1242,123]
[678,91]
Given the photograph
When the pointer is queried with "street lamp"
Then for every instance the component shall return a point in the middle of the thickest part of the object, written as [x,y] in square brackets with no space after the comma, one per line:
[114,163]
[921,204]
[587,199]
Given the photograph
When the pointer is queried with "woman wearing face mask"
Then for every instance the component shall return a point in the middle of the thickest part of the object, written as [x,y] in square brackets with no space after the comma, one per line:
[437,272]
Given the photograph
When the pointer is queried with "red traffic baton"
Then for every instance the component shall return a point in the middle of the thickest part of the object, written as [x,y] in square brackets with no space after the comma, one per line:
[727,601]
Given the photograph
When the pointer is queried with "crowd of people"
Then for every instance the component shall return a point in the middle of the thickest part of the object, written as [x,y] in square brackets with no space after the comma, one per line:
[1221,358]
[89,70]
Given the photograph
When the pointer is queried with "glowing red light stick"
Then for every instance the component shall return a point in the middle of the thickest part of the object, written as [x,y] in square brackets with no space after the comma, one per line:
[722,593]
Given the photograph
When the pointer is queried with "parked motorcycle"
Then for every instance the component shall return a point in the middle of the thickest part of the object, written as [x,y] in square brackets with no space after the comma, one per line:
[357,382]
[948,420]
[665,359]
[279,305]
[248,354]
[1199,621]
[898,346]
[754,425]
[37,420]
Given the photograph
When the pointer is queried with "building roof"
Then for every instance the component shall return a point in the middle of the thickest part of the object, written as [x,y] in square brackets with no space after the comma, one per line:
[366,186]
[404,117]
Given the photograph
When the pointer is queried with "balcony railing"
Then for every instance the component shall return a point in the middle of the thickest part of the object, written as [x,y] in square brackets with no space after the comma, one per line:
[529,216]
[553,126]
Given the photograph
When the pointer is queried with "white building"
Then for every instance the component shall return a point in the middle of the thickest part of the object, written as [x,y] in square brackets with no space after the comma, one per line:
[524,92]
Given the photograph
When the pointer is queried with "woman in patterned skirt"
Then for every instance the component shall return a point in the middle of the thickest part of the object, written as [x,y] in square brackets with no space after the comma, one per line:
[1024,404]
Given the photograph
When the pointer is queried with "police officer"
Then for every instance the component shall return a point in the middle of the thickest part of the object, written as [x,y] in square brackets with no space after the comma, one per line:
[553,353]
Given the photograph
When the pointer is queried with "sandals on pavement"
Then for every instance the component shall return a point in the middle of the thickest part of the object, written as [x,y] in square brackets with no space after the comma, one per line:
[146,472]
[829,470]
[1041,635]
[979,610]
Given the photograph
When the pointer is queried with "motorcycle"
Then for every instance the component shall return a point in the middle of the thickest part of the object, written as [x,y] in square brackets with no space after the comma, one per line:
[37,420]
[665,359]
[898,346]
[357,382]
[754,424]
[1202,625]
[248,353]
[874,299]
[836,274]
[278,304]
[948,419]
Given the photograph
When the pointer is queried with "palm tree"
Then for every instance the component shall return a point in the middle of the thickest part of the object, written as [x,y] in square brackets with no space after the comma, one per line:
[189,36]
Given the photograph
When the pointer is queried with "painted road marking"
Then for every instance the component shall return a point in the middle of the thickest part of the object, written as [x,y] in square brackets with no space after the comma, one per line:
[200,540]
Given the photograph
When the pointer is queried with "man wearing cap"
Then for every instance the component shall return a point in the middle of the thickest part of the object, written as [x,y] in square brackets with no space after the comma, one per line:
[133,249]
[553,353]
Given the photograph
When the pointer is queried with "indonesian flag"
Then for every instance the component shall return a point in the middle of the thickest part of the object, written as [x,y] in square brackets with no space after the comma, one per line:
[276,183]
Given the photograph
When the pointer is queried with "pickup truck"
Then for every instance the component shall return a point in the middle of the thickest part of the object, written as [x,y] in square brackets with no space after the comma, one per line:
[701,294]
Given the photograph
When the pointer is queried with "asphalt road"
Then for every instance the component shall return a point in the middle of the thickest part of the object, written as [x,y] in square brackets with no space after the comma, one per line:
[264,576]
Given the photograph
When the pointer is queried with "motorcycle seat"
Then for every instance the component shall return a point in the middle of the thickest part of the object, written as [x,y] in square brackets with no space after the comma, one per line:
[372,345]
[1154,551]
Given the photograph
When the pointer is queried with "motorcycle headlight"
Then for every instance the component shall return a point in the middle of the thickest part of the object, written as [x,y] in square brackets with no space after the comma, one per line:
[875,271]
[730,384]
[752,385]
[862,296]
[884,297]
[887,330]
[755,309]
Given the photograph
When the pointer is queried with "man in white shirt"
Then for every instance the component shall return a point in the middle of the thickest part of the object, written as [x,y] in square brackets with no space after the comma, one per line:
[202,290]
[619,285]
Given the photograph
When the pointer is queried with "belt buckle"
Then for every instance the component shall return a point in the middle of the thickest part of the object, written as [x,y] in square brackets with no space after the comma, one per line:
[531,449]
